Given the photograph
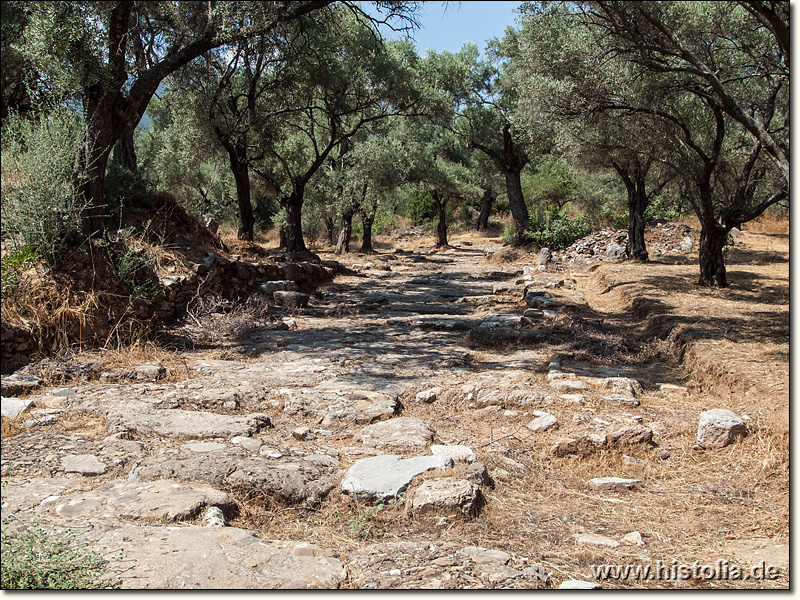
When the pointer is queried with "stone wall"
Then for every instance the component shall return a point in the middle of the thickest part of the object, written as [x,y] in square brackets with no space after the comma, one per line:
[230,278]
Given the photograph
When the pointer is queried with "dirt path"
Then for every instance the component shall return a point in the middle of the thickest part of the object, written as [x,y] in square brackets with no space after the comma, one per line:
[416,350]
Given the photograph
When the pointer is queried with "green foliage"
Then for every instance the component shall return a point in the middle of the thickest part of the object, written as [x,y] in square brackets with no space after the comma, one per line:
[420,207]
[555,229]
[124,187]
[133,265]
[358,525]
[14,265]
[40,208]
[35,557]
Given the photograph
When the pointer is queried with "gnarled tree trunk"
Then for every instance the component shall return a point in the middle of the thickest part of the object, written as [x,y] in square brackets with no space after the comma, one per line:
[237,154]
[367,219]
[345,232]
[713,238]
[489,196]
[441,227]
[294,223]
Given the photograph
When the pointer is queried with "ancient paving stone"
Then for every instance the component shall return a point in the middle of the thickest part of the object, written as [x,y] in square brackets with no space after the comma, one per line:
[397,433]
[288,479]
[634,538]
[483,556]
[18,383]
[631,434]
[594,539]
[24,494]
[622,385]
[359,406]
[207,558]
[184,424]
[568,385]
[457,452]
[251,444]
[439,565]
[204,446]
[627,401]
[291,299]
[495,320]
[387,476]
[13,407]
[430,395]
[85,464]
[613,483]
[719,427]
[445,497]
[542,422]
[163,501]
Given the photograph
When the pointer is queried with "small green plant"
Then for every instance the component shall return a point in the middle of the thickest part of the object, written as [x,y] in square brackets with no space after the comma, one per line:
[35,557]
[14,265]
[359,524]
[133,266]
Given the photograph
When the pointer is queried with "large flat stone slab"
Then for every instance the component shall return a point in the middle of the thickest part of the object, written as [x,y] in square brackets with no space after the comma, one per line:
[287,480]
[183,424]
[13,407]
[388,475]
[360,406]
[398,433]
[163,501]
[215,558]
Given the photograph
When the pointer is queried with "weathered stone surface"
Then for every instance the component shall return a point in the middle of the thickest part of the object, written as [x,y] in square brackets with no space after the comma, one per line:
[204,446]
[492,321]
[542,422]
[594,539]
[634,538]
[457,452]
[286,479]
[359,406]
[631,434]
[564,446]
[18,383]
[483,556]
[386,476]
[615,251]
[719,427]
[184,424]
[291,299]
[85,464]
[399,433]
[568,385]
[628,401]
[164,501]
[478,474]
[13,407]
[430,395]
[613,483]
[207,558]
[622,385]
[446,497]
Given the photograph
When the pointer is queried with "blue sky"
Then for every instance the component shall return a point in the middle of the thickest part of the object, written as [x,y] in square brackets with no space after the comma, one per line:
[447,25]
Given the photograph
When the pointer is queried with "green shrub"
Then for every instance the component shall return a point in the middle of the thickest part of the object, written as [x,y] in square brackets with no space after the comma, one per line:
[420,207]
[35,557]
[555,229]
[124,188]
[14,265]
[40,208]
